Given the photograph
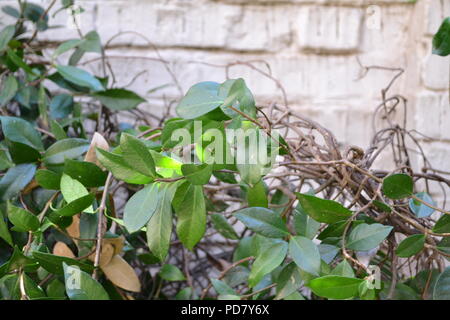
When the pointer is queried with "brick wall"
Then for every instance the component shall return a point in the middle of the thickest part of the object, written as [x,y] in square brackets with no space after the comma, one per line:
[311,46]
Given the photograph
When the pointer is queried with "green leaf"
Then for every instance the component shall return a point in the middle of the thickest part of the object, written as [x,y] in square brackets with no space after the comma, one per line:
[57,130]
[141,207]
[305,225]
[80,77]
[263,221]
[410,246]
[191,214]
[66,46]
[238,96]
[222,288]
[335,287]
[4,232]
[56,289]
[343,269]
[22,219]
[321,210]
[19,130]
[267,261]
[256,195]
[76,206]
[170,272]
[305,254]
[441,40]
[398,186]
[15,179]
[442,287]
[81,286]
[185,294]
[65,149]
[136,153]
[222,226]
[72,190]
[200,99]
[9,90]
[365,236]
[159,228]
[54,264]
[6,35]
[288,281]
[48,179]
[91,42]
[422,210]
[121,169]
[61,106]
[89,174]
[197,174]
[21,153]
[443,224]
[119,99]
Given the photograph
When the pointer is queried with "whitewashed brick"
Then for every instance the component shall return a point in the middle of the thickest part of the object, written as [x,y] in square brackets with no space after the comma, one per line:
[435,72]
[432,115]
[437,11]
[329,29]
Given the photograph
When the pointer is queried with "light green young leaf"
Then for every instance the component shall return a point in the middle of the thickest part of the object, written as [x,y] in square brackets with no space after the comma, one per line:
[335,287]
[72,190]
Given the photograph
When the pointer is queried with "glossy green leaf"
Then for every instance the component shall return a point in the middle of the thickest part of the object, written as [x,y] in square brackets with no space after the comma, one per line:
[200,99]
[263,221]
[321,210]
[4,232]
[119,99]
[22,219]
[442,287]
[81,286]
[420,209]
[19,130]
[267,261]
[89,174]
[221,224]
[170,272]
[48,179]
[398,186]
[15,179]
[343,269]
[441,40]
[54,264]
[61,150]
[66,46]
[91,42]
[57,130]
[288,281]
[9,90]
[136,153]
[141,207]
[191,214]
[305,254]
[6,35]
[61,106]
[197,174]
[367,236]
[159,228]
[305,225]
[80,77]
[410,246]
[222,288]
[443,224]
[76,206]
[121,169]
[335,287]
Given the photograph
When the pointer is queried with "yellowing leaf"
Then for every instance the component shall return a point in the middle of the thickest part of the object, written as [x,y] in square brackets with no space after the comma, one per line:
[61,249]
[97,142]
